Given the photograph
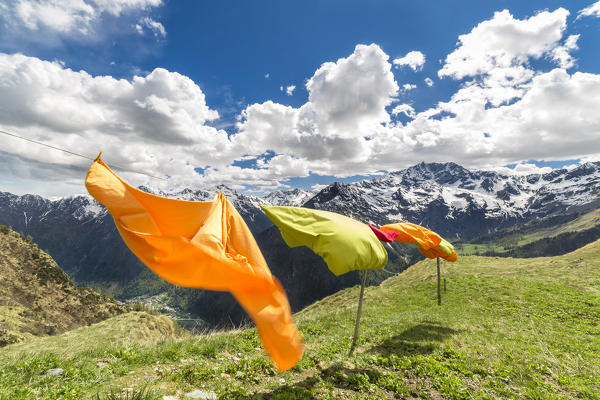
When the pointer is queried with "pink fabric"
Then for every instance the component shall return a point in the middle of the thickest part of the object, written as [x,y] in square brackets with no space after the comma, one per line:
[384,236]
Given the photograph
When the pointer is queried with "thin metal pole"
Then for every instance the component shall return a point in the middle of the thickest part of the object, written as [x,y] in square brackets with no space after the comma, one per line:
[439,286]
[362,292]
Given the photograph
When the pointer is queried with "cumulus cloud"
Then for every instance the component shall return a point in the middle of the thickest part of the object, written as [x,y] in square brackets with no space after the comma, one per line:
[267,175]
[562,54]
[523,168]
[408,87]
[503,42]
[290,90]
[414,59]
[428,81]
[503,112]
[155,122]
[349,97]
[346,105]
[553,120]
[405,109]
[593,10]
[153,26]
[508,112]
[73,17]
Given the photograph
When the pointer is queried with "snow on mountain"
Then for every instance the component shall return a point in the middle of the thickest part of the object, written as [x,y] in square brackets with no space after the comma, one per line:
[294,198]
[475,201]
[433,195]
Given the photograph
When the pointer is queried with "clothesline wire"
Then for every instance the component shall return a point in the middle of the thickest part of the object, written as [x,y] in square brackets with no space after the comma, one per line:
[81,155]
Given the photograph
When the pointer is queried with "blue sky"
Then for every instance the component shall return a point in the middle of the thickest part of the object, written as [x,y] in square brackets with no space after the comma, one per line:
[268,95]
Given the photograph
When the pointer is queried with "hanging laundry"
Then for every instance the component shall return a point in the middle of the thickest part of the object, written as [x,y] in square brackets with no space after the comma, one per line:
[344,243]
[429,243]
[203,245]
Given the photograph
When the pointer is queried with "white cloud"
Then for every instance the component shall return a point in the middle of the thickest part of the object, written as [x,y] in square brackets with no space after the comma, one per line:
[523,168]
[290,90]
[508,112]
[347,103]
[561,54]
[118,7]
[429,81]
[504,42]
[349,97]
[267,75]
[154,122]
[504,112]
[593,10]
[414,59]
[408,86]
[55,15]
[406,109]
[73,17]
[155,27]
[317,187]
[555,119]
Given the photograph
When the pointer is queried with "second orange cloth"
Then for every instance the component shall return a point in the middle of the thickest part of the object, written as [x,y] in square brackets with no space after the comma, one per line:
[429,243]
[201,245]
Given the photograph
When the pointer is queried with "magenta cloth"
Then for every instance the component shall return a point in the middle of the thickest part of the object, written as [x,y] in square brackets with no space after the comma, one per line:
[384,236]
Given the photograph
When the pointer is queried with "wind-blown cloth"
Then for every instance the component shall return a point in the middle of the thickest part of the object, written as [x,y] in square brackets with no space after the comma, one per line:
[201,245]
[344,243]
[429,243]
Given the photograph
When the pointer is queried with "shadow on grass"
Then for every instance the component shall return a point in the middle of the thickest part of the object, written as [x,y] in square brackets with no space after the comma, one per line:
[419,339]
[415,340]
[338,376]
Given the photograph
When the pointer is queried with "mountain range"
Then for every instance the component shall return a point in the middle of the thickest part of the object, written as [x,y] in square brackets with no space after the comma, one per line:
[458,203]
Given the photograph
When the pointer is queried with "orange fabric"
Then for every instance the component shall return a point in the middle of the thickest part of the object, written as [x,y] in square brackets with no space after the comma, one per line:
[201,245]
[428,242]
[436,252]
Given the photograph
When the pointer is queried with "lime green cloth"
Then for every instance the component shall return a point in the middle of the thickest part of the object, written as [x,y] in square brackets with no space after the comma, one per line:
[344,243]
[445,246]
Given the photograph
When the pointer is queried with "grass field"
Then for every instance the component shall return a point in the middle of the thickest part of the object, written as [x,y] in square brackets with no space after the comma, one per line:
[529,234]
[507,328]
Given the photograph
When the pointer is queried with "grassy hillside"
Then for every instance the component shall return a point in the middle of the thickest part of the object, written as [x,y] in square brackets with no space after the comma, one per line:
[38,298]
[566,228]
[507,328]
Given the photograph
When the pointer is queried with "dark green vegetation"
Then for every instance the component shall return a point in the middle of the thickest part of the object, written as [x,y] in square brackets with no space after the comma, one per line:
[549,236]
[507,328]
[38,298]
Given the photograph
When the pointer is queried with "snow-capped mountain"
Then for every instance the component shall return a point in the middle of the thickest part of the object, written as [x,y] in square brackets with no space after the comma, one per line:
[458,202]
[247,206]
[448,198]
[294,198]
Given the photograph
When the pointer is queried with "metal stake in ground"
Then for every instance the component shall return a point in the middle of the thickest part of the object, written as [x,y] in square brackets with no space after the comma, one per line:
[439,286]
[362,292]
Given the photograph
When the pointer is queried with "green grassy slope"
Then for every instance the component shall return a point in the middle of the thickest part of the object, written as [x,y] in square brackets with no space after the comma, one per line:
[37,298]
[507,328]
[537,230]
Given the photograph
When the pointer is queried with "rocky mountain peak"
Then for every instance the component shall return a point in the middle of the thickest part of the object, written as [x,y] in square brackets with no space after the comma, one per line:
[295,197]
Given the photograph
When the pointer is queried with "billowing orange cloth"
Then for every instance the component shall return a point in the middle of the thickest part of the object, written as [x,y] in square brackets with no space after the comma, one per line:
[429,243]
[201,245]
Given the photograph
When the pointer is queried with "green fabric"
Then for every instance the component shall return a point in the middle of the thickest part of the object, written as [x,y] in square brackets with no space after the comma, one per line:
[445,247]
[344,243]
